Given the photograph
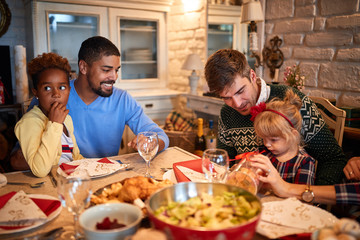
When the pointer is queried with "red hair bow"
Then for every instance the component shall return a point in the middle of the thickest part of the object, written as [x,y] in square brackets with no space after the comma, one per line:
[255,110]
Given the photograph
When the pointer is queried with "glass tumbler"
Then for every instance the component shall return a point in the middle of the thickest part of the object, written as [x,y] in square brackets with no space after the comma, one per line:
[215,164]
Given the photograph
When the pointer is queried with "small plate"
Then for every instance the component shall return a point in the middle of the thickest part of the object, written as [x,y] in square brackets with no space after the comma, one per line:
[53,215]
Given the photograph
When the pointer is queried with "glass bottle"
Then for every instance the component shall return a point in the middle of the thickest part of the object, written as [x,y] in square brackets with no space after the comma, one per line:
[211,136]
[200,139]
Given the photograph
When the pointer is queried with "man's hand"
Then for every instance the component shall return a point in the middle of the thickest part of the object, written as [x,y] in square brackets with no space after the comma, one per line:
[352,169]
[58,113]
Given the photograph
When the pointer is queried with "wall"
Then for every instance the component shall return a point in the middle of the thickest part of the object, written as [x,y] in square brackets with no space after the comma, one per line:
[323,36]
[16,32]
[187,34]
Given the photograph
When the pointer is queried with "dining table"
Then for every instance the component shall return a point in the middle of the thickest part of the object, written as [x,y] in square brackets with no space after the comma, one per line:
[136,167]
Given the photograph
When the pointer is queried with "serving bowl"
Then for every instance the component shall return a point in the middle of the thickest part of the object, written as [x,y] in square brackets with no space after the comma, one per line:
[124,213]
[186,190]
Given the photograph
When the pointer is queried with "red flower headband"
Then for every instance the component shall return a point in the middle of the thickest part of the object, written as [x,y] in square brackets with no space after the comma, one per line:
[261,107]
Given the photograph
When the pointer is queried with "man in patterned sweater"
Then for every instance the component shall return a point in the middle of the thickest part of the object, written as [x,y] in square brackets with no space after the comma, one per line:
[230,77]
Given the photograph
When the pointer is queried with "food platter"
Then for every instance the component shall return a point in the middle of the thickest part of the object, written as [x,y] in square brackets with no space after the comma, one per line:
[128,190]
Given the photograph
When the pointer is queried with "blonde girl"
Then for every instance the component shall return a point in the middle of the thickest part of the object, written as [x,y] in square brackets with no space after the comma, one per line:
[278,124]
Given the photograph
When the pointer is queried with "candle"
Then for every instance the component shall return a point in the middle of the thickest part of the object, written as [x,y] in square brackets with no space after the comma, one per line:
[22,87]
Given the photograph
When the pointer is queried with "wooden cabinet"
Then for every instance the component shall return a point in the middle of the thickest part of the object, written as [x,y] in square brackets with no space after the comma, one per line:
[205,105]
[61,27]
[141,37]
[225,29]
[138,29]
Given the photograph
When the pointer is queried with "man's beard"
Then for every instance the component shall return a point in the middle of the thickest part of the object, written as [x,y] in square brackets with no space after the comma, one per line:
[101,93]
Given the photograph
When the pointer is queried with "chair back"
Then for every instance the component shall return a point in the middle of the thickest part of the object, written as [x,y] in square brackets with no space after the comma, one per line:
[338,124]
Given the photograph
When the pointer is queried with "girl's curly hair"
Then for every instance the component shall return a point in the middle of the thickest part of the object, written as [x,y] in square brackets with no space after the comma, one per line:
[47,61]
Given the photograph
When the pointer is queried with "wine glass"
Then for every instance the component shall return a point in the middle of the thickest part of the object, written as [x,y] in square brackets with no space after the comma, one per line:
[147,145]
[74,193]
[215,164]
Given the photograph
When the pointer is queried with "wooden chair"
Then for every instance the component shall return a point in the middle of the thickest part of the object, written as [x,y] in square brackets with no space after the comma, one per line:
[338,124]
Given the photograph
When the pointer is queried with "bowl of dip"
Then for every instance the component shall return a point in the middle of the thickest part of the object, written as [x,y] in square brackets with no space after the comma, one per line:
[110,221]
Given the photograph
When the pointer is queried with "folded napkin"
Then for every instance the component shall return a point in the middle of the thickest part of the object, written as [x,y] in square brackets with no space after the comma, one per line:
[291,216]
[18,210]
[194,176]
[94,167]
[67,168]
[192,164]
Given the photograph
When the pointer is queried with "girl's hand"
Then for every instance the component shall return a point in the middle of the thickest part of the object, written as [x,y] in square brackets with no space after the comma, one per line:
[58,113]
[269,174]
[352,169]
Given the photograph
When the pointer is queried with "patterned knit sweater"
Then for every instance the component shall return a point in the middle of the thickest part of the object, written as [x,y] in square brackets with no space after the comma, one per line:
[237,135]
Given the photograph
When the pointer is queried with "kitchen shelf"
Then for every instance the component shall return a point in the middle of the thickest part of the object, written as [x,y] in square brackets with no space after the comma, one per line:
[138,30]
[221,33]
[84,26]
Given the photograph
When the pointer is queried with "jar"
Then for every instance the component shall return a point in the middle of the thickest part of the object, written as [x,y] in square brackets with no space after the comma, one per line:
[244,175]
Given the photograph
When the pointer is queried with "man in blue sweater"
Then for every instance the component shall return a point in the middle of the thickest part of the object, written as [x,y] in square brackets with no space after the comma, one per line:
[101,111]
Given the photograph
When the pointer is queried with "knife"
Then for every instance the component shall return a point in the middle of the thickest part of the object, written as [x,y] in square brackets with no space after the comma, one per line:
[53,180]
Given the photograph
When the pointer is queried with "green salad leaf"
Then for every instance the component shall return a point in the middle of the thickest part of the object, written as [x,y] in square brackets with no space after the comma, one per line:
[210,212]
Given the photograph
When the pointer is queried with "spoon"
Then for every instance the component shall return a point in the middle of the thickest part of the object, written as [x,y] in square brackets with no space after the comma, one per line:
[32,185]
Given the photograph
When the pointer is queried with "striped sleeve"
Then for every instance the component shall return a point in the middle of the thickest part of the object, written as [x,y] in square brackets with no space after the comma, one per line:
[348,193]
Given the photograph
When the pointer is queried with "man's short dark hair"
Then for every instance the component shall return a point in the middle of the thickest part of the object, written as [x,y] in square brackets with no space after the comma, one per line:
[222,67]
[94,48]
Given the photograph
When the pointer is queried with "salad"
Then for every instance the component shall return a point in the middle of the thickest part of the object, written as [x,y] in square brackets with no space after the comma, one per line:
[210,212]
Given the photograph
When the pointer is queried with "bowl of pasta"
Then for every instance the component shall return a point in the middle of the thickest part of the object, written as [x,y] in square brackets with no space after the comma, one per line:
[208,211]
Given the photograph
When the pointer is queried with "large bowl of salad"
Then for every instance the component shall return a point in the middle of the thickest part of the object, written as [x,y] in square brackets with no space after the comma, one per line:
[190,211]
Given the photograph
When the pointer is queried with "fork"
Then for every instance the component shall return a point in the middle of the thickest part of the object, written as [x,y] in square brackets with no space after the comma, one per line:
[32,185]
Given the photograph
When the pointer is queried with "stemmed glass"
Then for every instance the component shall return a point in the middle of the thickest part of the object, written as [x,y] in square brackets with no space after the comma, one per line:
[74,193]
[147,145]
[215,164]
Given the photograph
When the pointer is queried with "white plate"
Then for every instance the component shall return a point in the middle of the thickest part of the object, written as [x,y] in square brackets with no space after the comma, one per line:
[170,175]
[102,172]
[53,215]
